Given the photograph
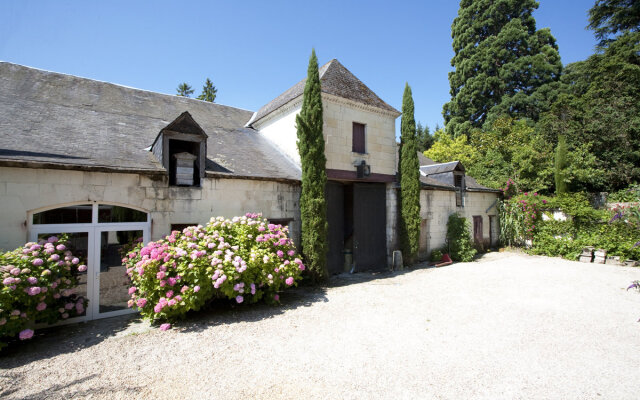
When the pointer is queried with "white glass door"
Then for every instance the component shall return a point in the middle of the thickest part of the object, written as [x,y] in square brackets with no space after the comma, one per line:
[110,275]
[100,235]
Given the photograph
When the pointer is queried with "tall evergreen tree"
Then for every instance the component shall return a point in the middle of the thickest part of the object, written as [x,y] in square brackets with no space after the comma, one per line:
[184,90]
[425,139]
[313,206]
[209,92]
[500,61]
[607,18]
[561,165]
[409,179]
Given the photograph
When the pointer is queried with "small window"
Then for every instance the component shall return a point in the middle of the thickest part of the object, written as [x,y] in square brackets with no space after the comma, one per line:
[107,213]
[458,183]
[80,214]
[358,138]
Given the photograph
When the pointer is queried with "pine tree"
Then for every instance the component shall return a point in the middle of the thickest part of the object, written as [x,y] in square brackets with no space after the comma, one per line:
[409,180]
[313,206]
[208,92]
[184,90]
[500,61]
[561,165]
[425,139]
[607,18]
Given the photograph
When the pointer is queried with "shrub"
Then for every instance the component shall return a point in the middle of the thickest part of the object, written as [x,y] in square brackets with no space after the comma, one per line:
[436,255]
[244,259]
[38,284]
[459,238]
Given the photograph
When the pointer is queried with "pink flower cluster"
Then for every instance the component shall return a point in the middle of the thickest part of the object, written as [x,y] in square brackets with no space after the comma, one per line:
[38,280]
[235,258]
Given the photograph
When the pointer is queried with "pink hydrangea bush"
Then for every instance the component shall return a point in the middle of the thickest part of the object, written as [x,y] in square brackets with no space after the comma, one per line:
[38,283]
[245,259]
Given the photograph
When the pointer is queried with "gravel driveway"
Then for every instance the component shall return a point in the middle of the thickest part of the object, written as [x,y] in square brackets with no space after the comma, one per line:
[509,326]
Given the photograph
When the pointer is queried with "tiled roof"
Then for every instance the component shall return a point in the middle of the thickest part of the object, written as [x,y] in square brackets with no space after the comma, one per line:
[336,80]
[63,121]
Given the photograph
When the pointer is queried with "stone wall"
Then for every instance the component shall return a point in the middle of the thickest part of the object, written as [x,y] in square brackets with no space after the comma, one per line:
[380,138]
[339,115]
[437,205]
[25,190]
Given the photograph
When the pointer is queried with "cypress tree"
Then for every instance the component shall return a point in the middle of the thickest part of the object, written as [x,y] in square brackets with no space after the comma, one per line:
[561,165]
[313,206]
[409,179]
[500,61]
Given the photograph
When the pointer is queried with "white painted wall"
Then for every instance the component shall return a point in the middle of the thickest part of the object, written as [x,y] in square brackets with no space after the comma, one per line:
[280,129]
[23,190]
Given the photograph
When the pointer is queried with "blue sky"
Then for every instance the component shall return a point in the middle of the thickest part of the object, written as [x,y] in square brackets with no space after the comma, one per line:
[255,50]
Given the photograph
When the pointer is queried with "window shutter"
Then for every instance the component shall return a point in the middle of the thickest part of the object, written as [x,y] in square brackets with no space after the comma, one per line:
[358,138]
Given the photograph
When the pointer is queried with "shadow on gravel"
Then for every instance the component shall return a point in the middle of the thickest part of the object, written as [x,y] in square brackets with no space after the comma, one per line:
[50,342]
[226,312]
[121,391]
[346,279]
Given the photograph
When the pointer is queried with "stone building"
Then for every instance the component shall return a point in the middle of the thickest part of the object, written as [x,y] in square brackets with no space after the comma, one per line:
[108,164]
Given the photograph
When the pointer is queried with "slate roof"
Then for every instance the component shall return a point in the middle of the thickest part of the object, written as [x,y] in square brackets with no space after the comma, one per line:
[430,168]
[335,79]
[61,121]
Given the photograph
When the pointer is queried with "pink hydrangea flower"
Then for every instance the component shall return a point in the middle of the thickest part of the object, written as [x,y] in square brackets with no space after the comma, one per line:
[165,327]
[132,290]
[239,299]
[196,288]
[160,275]
[32,280]
[289,281]
[61,247]
[37,262]
[276,297]
[41,306]
[25,334]
[15,271]
[34,290]
[141,303]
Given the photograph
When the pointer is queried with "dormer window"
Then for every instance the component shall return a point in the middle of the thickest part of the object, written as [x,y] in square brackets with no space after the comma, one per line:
[181,147]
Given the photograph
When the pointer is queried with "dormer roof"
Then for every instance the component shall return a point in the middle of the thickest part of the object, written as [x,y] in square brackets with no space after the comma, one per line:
[335,80]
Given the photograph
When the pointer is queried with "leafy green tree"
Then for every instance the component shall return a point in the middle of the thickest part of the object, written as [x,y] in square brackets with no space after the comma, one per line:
[184,90]
[561,165]
[599,106]
[409,172]
[500,61]
[313,206]
[446,148]
[610,17]
[208,92]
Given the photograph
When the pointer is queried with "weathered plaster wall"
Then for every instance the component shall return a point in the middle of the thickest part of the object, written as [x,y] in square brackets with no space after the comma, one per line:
[23,190]
[437,205]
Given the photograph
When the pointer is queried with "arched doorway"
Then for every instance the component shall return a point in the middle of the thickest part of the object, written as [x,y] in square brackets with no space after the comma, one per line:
[100,235]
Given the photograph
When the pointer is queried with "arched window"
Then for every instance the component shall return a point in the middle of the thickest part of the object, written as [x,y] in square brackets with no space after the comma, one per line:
[100,235]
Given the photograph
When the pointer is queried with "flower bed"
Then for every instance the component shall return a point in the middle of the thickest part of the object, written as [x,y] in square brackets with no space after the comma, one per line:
[245,259]
[38,283]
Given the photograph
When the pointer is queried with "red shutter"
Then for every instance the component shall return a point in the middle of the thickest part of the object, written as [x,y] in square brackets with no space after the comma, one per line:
[358,138]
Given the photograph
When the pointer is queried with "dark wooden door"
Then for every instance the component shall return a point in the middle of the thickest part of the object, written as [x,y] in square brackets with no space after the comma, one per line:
[477,230]
[335,219]
[369,226]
